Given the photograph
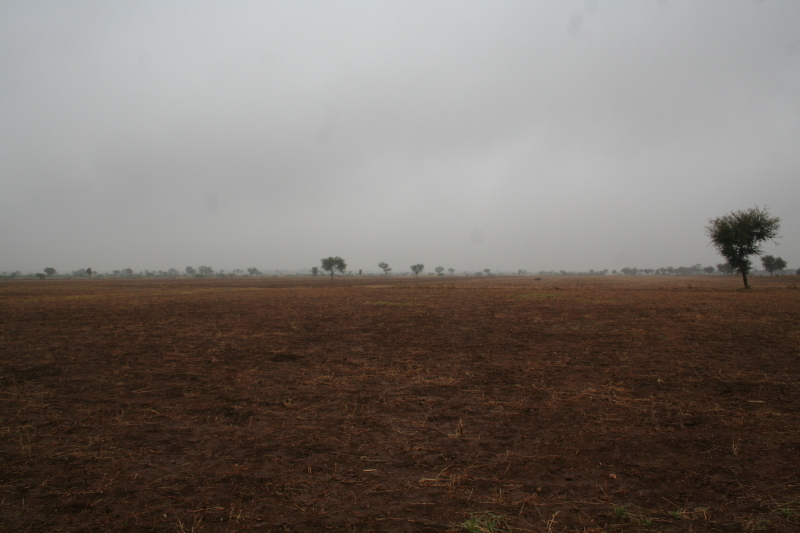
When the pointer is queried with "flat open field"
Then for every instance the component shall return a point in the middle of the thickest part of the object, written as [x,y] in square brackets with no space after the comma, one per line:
[579,404]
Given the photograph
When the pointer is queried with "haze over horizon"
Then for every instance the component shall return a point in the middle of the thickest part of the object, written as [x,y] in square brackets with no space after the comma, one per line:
[547,135]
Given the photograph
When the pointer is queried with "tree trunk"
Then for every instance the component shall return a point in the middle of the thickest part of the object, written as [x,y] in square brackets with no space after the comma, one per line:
[744,277]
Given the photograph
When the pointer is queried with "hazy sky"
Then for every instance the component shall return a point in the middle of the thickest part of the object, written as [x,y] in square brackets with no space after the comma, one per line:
[504,135]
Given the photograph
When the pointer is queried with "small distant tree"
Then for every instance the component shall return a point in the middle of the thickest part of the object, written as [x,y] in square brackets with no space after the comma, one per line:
[725,268]
[487,271]
[417,269]
[315,271]
[172,272]
[127,272]
[773,264]
[253,271]
[191,271]
[50,271]
[205,271]
[451,271]
[333,265]
[385,267]
[708,269]
[39,275]
[439,271]
[89,272]
[740,234]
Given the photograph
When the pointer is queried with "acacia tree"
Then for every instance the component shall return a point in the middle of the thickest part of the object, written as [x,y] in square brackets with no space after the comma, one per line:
[314,271]
[50,271]
[771,264]
[385,267]
[739,235]
[417,269]
[439,271]
[333,265]
[451,270]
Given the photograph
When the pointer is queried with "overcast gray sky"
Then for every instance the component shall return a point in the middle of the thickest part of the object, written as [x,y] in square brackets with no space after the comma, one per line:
[505,135]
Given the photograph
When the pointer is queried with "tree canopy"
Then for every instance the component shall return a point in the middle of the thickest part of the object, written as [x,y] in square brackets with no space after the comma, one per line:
[385,267]
[417,269]
[333,265]
[739,235]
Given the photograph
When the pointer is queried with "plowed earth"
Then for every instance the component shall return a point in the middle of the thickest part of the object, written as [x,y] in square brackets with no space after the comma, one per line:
[394,404]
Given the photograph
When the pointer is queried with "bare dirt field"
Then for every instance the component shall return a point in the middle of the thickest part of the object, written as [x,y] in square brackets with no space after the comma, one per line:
[578,404]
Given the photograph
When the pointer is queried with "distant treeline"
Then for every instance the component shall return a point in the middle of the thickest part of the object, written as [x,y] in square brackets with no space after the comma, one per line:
[206,272]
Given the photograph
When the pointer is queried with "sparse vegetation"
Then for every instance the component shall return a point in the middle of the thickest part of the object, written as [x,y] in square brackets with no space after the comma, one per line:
[485,523]
[788,509]
[677,514]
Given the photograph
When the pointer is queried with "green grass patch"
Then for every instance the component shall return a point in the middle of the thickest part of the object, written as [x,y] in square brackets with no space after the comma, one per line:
[485,523]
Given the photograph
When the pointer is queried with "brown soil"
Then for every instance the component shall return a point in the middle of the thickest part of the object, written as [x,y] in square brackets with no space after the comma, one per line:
[395,404]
